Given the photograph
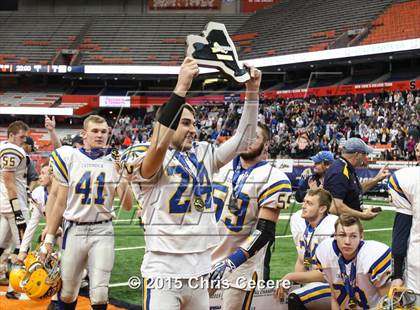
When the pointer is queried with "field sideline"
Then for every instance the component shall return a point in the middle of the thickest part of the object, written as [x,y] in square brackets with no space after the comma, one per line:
[129,245]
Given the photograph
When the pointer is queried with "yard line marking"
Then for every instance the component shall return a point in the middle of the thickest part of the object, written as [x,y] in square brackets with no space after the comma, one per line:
[135,220]
[118,284]
[129,248]
[277,237]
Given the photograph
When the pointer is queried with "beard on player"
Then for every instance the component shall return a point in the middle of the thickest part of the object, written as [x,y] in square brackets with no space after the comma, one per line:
[253,153]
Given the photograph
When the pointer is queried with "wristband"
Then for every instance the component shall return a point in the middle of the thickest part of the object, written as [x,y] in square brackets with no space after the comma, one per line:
[170,115]
[15,204]
[237,258]
[49,238]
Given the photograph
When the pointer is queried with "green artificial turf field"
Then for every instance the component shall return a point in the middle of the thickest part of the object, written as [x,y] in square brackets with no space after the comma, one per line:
[130,249]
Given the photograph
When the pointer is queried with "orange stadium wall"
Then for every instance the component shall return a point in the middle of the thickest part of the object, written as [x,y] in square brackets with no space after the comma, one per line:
[82,6]
[345,89]
[251,6]
[184,5]
[130,7]
[91,102]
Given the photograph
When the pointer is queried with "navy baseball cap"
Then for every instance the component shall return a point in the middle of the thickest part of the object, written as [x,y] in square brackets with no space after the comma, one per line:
[322,156]
[29,141]
[356,145]
[77,139]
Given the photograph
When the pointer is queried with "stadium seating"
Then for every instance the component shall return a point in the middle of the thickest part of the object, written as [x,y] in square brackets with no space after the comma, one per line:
[147,39]
[399,22]
[36,38]
[40,136]
[290,26]
[294,26]
[29,99]
[104,39]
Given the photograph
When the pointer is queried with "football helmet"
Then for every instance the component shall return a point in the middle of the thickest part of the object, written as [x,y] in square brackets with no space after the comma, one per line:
[398,298]
[16,275]
[38,280]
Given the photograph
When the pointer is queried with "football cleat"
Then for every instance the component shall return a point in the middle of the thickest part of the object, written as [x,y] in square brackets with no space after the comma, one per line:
[214,48]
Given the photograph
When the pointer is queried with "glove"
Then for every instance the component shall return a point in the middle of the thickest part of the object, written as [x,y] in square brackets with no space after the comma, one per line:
[232,262]
[218,270]
[19,219]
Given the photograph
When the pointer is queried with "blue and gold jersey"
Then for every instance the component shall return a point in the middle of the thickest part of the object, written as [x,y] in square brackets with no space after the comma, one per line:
[342,182]
[307,238]
[91,182]
[239,194]
[372,266]
[402,189]
[14,159]
[177,209]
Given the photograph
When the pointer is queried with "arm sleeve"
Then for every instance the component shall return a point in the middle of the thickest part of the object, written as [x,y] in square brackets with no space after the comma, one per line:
[244,136]
[30,230]
[400,236]
[319,260]
[295,228]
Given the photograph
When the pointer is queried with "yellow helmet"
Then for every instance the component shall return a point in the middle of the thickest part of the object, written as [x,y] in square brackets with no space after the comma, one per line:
[16,276]
[30,259]
[398,298]
[42,280]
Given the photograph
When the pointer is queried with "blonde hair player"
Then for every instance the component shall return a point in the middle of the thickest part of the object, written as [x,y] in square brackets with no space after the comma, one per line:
[88,180]
[310,226]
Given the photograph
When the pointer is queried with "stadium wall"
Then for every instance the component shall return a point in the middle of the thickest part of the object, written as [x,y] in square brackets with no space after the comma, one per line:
[129,7]
[82,6]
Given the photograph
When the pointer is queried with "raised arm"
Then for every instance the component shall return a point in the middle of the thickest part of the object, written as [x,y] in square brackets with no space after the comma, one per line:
[50,126]
[168,120]
[246,131]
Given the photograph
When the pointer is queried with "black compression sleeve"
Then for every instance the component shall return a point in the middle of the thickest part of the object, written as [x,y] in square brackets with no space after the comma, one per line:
[400,236]
[170,114]
[263,234]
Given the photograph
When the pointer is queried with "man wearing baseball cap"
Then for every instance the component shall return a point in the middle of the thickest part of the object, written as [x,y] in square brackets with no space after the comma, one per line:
[32,175]
[343,183]
[322,162]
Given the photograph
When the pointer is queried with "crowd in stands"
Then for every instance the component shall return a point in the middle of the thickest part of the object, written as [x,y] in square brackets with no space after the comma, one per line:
[300,128]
